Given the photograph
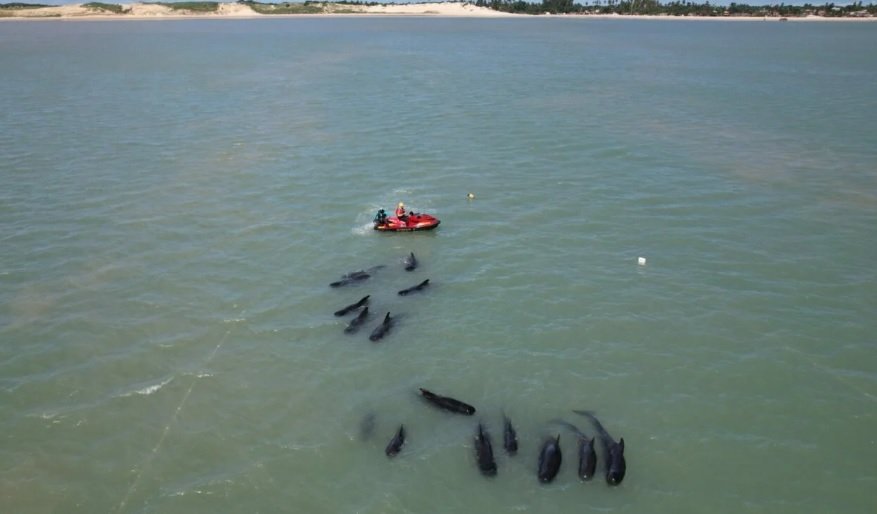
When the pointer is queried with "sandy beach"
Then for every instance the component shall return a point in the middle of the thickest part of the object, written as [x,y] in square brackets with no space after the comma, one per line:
[145,11]
[235,10]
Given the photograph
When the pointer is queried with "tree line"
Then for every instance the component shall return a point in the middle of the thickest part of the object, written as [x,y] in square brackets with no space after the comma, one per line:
[675,8]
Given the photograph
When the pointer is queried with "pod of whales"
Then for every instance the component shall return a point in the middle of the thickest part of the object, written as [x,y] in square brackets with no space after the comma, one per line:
[414,289]
[447,403]
[353,306]
[616,466]
[550,454]
[484,452]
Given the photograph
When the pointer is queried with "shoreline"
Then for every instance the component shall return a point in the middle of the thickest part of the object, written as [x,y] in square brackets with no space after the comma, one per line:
[235,11]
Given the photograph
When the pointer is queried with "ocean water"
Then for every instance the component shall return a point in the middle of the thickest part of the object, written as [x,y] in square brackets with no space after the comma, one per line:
[176,196]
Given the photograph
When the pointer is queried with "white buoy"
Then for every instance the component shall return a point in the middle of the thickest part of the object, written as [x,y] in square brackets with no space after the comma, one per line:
[641,261]
[470,196]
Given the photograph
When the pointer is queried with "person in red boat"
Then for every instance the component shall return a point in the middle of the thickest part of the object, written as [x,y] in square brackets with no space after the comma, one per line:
[400,212]
[380,218]
[404,220]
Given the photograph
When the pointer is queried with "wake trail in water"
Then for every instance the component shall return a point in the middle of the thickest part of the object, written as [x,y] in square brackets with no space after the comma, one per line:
[144,467]
[828,371]
[145,391]
[362,230]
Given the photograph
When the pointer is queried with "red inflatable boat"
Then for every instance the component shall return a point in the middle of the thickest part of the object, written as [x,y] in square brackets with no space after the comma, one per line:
[410,223]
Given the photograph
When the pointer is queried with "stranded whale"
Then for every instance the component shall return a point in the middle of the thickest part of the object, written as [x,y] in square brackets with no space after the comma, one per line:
[381,330]
[615,463]
[414,289]
[509,436]
[352,306]
[549,460]
[587,455]
[396,442]
[410,262]
[484,452]
[355,276]
[448,403]
[357,322]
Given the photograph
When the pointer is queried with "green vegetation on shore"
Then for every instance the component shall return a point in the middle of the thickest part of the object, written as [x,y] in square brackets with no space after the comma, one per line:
[676,8]
[118,9]
[100,6]
[19,5]
[307,7]
[8,10]
[190,6]
[285,7]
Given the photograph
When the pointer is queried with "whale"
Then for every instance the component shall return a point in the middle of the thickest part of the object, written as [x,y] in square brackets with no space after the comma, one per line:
[509,436]
[357,322]
[350,278]
[550,458]
[381,330]
[355,276]
[616,466]
[396,442]
[587,454]
[353,306]
[484,452]
[414,289]
[410,262]
[447,403]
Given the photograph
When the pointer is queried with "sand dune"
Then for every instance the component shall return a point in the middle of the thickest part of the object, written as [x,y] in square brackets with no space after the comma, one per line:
[145,11]
[230,10]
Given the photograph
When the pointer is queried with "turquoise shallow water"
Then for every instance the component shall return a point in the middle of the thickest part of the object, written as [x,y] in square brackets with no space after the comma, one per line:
[176,196]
